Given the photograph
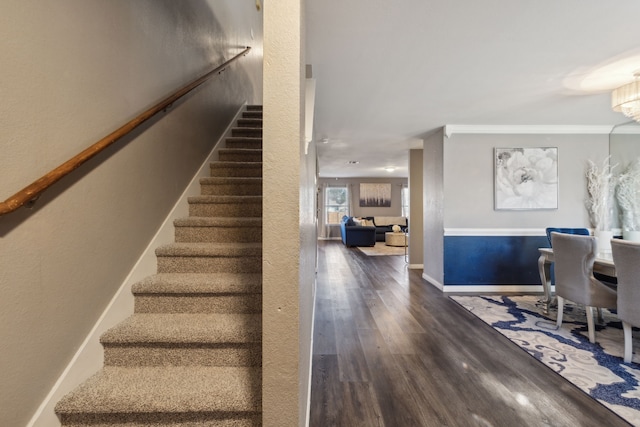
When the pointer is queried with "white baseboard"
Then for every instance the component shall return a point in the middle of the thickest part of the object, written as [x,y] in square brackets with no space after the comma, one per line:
[478,289]
[415,266]
[433,281]
[89,357]
[494,232]
[313,322]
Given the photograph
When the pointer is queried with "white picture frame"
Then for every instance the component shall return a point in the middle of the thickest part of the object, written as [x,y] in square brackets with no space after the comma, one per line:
[526,178]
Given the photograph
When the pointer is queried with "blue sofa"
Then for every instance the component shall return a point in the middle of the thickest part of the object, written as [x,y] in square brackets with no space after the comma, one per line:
[356,235]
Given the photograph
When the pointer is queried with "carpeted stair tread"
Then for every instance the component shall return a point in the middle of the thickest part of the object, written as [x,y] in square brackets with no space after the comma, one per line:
[167,389]
[250,139]
[207,221]
[199,283]
[240,155]
[246,130]
[240,151]
[225,206]
[225,199]
[225,249]
[235,169]
[218,229]
[239,185]
[238,165]
[235,180]
[249,122]
[186,328]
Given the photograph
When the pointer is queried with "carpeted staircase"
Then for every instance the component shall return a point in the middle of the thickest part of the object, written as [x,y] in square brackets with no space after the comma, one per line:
[190,355]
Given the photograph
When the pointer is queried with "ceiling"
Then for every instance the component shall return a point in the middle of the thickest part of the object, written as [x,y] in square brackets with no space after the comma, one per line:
[388,73]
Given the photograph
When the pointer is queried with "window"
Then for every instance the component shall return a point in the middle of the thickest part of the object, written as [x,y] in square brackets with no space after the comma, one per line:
[336,204]
[405,202]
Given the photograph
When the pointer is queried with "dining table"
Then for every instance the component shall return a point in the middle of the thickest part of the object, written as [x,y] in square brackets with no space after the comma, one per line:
[603,264]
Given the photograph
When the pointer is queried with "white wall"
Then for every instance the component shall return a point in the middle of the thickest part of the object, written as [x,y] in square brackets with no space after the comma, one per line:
[468,180]
[74,71]
[288,225]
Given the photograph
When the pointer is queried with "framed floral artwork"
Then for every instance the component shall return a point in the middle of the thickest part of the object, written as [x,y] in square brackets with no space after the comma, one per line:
[526,178]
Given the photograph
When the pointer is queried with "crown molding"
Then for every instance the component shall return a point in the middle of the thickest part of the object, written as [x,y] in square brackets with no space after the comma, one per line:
[630,130]
[527,129]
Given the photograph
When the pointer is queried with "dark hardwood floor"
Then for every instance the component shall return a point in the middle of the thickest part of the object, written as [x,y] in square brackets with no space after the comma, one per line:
[392,350]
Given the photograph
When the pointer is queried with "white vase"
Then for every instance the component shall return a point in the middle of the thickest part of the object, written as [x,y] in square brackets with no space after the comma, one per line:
[631,235]
[604,240]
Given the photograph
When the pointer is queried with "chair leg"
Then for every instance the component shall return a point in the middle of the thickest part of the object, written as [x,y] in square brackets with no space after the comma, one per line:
[560,312]
[590,326]
[600,318]
[628,344]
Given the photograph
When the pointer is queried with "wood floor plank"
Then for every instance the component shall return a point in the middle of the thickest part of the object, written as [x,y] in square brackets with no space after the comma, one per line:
[351,361]
[396,400]
[400,313]
[361,314]
[389,328]
[407,355]
[335,403]
[324,330]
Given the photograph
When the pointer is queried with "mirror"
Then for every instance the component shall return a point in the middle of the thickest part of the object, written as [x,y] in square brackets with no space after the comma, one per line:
[624,147]
[624,144]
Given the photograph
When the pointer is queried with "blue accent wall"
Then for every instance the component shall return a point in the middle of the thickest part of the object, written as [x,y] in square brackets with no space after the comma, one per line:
[492,260]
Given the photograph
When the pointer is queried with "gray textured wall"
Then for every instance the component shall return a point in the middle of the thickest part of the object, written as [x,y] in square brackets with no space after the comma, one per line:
[433,203]
[288,227]
[416,208]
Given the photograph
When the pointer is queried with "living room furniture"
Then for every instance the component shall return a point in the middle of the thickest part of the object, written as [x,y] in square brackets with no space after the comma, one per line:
[395,239]
[384,224]
[574,259]
[626,256]
[356,235]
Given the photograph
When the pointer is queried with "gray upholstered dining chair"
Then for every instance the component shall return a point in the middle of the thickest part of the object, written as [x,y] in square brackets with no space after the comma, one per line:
[573,256]
[626,258]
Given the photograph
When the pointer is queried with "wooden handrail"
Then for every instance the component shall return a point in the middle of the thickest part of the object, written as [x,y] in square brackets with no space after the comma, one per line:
[31,192]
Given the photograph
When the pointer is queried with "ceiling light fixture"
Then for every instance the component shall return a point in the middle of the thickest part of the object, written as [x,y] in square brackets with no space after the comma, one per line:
[389,169]
[626,99]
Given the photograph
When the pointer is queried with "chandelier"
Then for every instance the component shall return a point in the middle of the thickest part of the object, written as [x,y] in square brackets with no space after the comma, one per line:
[626,99]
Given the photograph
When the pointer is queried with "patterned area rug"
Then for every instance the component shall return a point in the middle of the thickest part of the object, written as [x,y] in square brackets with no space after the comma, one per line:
[381,249]
[598,369]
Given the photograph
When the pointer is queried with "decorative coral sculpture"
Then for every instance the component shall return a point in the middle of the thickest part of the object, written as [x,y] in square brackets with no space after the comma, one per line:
[600,191]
